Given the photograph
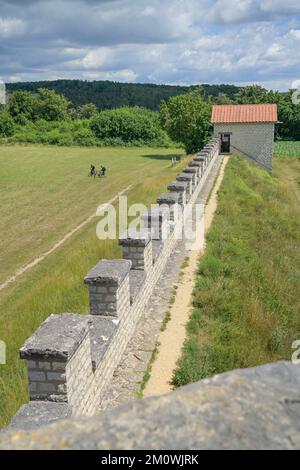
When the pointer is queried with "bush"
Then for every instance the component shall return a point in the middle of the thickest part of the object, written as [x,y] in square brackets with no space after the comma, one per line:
[56,137]
[6,124]
[84,137]
[127,125]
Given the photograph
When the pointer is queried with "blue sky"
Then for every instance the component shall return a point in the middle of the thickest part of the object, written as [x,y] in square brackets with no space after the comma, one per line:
[157,41]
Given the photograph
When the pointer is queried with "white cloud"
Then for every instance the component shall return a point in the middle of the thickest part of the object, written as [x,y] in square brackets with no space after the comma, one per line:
[171,41]
[10,27]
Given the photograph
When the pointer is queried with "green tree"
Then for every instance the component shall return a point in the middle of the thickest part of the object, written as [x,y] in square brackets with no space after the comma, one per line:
[6,124]
[289,117]
[51,106]
[252,94]
[222,98]
[186,118]
[22,106]
[127,124]
[86,111]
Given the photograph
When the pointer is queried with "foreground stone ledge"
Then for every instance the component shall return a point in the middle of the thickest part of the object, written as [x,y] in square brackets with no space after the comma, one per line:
[37,413]
[255,408]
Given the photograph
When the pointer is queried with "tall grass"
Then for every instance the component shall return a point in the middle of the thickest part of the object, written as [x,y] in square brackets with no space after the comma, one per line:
[247,299]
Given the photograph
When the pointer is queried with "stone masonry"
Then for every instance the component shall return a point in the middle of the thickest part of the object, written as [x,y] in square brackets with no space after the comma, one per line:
[255,140]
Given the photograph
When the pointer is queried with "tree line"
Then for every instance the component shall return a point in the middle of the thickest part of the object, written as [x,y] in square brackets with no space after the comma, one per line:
[111,95]
[47,117]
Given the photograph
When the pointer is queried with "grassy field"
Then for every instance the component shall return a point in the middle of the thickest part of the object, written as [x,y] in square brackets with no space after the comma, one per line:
[287,149]
[45,193]
[247,297]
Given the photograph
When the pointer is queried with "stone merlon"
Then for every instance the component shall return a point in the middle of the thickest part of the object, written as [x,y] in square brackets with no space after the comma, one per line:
[133,237]
[190,170]
[57,338]
[195,163]
[111,272]
[168,198]
[184,177]
[179,186]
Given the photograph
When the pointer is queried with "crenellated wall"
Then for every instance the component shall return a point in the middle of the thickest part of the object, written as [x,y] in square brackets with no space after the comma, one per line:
[71,358]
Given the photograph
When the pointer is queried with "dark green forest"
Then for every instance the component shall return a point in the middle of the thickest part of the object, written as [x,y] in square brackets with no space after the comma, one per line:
[74,112]
[109,95]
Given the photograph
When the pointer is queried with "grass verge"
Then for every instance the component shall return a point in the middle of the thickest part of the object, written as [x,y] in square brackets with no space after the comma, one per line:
[247,299]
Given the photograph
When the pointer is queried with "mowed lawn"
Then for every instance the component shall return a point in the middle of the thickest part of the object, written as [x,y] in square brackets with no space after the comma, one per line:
[45,193]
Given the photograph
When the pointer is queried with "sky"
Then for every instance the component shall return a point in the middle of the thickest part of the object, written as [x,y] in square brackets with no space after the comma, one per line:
[152,41]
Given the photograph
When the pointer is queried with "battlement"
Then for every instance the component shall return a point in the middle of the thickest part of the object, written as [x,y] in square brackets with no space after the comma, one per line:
[71,357]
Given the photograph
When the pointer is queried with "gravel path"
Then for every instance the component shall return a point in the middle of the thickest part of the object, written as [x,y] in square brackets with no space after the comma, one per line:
[171,340]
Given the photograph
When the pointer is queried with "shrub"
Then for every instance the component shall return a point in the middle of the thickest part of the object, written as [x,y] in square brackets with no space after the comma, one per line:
[84,137]
[127,125]
[55,137]
[6,124]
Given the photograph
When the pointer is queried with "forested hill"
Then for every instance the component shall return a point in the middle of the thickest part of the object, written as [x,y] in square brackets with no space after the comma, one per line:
[106,94]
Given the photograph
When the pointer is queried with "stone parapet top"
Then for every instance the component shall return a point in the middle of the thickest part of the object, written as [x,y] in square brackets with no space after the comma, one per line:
[57,338]
[168,198]
[134,237]
[108,272]
[37,413]
[195,163]
[190,170]
[184,177]
[177,186]
[137,279]
[102,329]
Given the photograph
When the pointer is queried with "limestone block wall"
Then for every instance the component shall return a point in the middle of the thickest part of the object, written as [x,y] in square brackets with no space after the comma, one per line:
[72,357]
[256,140]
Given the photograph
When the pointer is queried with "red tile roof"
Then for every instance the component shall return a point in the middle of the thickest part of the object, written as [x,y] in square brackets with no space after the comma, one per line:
[235,113]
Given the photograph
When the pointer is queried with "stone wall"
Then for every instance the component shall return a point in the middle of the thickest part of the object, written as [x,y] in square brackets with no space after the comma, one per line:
[256,141]
[256,408]
[72,357]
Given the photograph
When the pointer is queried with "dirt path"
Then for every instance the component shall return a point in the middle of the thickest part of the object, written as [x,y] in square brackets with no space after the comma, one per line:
[172,339]
[58,244]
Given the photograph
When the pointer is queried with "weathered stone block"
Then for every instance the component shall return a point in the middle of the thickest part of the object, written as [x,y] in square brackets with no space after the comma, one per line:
[108,273]
[111,274]
[57,376]
[137,247]
[36,376]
